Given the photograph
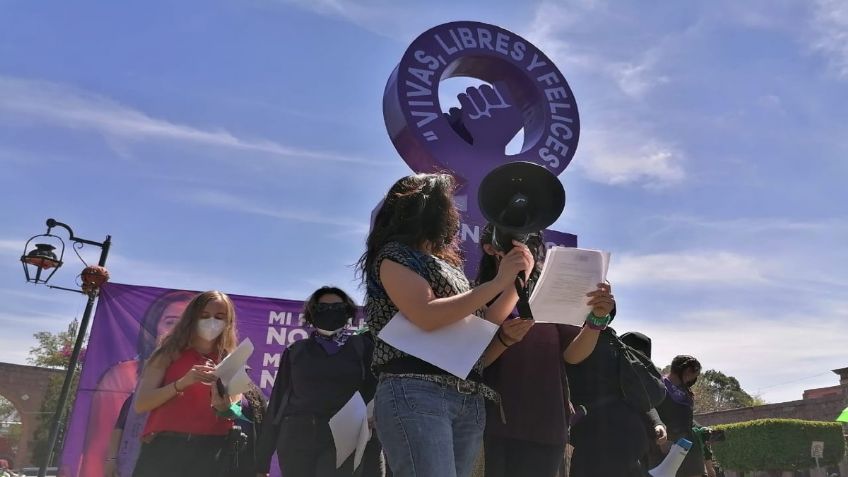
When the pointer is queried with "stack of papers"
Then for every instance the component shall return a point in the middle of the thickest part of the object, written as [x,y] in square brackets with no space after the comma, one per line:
[231,370]
[568,275]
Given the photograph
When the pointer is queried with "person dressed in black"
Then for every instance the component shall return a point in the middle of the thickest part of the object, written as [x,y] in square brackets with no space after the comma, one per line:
[677,412]
[607,432]
[655,431]
[242,455]
[316,378]
[526,366]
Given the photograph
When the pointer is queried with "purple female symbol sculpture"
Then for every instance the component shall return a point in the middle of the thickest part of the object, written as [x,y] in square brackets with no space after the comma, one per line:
[527,91]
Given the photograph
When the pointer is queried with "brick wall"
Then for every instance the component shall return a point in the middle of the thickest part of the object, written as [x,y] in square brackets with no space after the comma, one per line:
[25,387]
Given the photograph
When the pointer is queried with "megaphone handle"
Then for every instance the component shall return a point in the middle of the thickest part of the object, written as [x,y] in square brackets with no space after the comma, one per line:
[524,311]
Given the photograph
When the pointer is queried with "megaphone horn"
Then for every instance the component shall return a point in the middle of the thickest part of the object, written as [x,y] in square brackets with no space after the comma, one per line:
[520,198]
[669,465]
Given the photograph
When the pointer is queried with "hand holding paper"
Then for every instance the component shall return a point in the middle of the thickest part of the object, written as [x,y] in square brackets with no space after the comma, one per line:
[569,275]
[231,369]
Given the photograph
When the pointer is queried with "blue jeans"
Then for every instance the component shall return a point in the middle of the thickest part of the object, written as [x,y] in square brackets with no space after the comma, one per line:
[428,429]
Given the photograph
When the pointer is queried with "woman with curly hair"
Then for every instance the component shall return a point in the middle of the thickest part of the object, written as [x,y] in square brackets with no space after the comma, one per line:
[429,421]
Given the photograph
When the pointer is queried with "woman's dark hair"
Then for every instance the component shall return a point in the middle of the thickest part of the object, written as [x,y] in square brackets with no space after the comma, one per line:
[147,338]
[311,303]
[683,362]
[489,263]
[417,210]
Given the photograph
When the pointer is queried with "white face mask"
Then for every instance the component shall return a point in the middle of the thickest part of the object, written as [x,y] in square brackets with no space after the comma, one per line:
[210,328]
[327,332]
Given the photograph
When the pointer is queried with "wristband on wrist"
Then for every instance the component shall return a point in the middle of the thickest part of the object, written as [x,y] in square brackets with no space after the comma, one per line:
[176,389]
[232,412]
[498,334]
[596,323]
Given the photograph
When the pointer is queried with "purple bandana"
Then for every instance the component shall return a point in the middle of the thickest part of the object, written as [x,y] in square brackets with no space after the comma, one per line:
[677,393]
[333,343]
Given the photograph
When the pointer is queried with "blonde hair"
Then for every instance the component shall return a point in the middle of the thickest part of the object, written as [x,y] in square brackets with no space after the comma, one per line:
[181,336]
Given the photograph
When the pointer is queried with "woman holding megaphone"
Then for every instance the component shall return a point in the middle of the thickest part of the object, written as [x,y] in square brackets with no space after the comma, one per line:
[430,422]
[526,365]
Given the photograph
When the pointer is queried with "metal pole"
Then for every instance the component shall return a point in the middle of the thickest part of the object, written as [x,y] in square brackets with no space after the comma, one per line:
[72,365]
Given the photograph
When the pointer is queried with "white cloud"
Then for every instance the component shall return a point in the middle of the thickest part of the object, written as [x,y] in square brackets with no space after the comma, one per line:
[614,149]
[638,78]
[183,275]
[622,157]
[721,267]
[238,204]
[762,351]
[754,225]
[37,295]
[11,350]
[553,24]
[68,107]
[830,34]
[387,18]
[29,318]
[12,246]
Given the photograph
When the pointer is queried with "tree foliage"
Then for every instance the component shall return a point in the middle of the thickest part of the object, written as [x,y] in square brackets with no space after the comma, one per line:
[716,391]
[54,351]
[10,427]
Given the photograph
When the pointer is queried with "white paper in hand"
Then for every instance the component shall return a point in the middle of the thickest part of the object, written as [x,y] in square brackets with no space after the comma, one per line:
[454,348]
[346,427]
[364,437]
[231,369]
[569,274]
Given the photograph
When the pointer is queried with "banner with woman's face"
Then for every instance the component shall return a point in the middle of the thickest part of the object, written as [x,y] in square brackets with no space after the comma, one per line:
[128,324]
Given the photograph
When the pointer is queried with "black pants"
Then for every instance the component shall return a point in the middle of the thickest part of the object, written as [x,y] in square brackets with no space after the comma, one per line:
[306,449]
[174,455]
[520,458]
[373,464]
[609,442]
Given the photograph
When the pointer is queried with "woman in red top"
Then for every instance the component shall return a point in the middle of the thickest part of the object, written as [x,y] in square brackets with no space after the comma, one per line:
[185,432]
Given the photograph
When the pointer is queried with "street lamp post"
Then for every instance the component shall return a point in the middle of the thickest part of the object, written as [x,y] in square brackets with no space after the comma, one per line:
[39,261]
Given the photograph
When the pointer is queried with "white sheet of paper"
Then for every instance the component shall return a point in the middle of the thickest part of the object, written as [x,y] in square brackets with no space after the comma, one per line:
[370,408]
[239,384]
[231,369]
[569,274]
[346,427]
[364,437]
[454,348]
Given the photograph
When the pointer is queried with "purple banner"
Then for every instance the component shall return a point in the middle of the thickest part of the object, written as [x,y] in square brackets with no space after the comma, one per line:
[124,333]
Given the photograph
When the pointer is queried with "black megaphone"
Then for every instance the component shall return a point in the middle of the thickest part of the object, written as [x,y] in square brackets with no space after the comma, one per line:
[519,199]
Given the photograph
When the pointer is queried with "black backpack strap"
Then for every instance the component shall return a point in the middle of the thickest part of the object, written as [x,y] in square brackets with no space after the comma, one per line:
[359,347]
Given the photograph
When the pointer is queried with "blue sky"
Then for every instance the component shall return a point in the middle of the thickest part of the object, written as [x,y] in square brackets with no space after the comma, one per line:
[240,145]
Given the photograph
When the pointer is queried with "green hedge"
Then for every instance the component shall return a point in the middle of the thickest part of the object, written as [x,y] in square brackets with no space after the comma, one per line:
[778,444]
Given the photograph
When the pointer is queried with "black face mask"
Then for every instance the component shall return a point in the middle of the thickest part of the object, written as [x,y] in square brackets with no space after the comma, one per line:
[691,383]
[330,316]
